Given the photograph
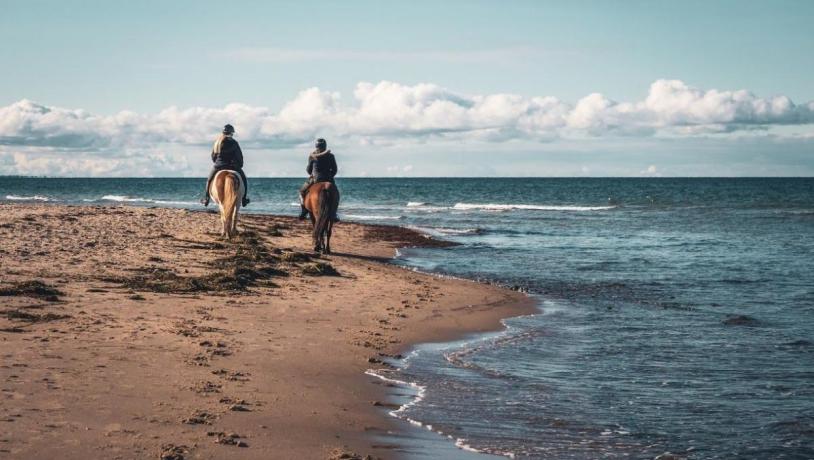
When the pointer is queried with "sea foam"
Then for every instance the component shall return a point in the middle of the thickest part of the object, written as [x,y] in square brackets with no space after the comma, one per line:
[530,207]
[28,198]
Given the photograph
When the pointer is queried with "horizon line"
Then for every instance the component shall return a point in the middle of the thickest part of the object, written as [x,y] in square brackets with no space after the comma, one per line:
[416,177]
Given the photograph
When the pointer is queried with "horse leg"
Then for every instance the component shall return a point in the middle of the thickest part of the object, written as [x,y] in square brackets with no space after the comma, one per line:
[313,226]
[328,237]
[223,232]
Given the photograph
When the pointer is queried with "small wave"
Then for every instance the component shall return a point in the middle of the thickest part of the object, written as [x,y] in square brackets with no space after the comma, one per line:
[420,394]
[448,231]
[372,217]
[175,203]
[127,199]
[28,198]
[414,204]
[527,207]
[124,198]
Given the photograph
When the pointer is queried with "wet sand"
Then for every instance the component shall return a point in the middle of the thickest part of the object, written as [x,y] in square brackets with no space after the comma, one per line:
[132,332]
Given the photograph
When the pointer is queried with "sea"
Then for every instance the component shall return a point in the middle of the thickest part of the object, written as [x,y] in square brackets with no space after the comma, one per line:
[676,315]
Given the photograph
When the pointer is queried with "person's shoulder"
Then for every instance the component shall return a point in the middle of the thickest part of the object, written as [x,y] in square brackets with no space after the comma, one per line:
[229,141]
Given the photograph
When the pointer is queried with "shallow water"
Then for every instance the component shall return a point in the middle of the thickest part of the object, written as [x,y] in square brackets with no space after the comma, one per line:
[678,314]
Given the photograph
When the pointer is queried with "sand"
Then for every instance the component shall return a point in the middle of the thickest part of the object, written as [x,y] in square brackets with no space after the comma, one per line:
[132,332]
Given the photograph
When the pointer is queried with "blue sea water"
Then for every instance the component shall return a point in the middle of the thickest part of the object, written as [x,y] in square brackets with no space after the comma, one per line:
[677,315]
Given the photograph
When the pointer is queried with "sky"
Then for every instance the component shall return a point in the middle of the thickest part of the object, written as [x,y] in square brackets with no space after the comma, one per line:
[420,88]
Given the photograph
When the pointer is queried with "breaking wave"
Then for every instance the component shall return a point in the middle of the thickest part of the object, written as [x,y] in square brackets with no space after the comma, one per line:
[372,217]
[529,207]
[28,198]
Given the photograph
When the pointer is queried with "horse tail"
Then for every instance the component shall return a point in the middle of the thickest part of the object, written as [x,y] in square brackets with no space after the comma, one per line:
[324,215]
[231,184]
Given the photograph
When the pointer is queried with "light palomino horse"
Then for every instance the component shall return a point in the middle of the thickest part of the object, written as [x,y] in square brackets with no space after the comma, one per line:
[226,190]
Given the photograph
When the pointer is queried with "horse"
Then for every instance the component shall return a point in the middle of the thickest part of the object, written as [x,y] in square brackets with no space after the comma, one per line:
[226,190]
[322,201]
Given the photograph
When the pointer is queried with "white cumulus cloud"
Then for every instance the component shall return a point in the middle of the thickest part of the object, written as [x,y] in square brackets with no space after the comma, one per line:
[389,111]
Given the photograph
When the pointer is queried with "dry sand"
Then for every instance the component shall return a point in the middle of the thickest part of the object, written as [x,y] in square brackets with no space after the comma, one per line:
[147,336]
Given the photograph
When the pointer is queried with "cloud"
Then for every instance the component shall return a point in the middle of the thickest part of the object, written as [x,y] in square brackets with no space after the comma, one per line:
[388,112]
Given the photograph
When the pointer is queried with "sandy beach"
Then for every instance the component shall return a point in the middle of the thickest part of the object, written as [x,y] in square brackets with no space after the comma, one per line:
[131,332]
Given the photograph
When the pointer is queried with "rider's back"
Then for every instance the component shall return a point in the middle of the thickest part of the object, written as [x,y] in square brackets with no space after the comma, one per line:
[230,155]
[322,166]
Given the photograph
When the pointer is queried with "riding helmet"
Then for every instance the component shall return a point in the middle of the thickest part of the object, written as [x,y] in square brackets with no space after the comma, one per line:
[320,143]
[228,129]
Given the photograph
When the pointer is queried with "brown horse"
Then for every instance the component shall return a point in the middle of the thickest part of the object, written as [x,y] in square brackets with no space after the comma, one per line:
[322,201]
[226,189]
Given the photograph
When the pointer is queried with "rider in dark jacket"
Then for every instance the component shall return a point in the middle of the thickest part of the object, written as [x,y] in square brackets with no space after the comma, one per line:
[321,168]
[226,154]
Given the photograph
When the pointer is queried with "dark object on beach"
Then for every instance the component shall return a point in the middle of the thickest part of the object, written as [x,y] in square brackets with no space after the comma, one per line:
[403,237]
[249,265]
[740,320]
[274,230]
[230,439]
[344,454]
[33,288]
[200,418]
[294,256]
[20,315]
[172,452]
[319,269]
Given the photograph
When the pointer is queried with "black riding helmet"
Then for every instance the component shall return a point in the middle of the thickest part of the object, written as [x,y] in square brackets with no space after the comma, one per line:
[228,129]
[320,144]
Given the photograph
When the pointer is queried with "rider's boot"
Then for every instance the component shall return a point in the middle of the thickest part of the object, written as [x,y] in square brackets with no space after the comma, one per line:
[303,213]
[205,200]
[246,201]
[335,217]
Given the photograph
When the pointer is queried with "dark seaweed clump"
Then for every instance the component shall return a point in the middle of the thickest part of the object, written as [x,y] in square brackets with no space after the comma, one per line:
[19,315]
[294,256]
[251,264]
[33,288]
[319,269]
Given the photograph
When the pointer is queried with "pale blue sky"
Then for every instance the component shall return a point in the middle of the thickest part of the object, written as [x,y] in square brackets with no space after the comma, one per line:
[145,56]
[107,56]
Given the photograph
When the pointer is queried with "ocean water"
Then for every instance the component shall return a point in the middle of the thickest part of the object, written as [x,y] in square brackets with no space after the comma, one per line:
[677,315]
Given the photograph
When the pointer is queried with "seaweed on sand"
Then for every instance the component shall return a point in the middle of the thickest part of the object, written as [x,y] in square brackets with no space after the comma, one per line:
[32,288]
[25,316]
[294,256]
[319,269]
[250,264]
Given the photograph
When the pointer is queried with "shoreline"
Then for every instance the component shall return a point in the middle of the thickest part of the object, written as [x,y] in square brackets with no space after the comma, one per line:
[227,354]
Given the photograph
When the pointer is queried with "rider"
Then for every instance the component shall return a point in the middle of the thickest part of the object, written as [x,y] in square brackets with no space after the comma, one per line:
[226,154]
[321,168]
